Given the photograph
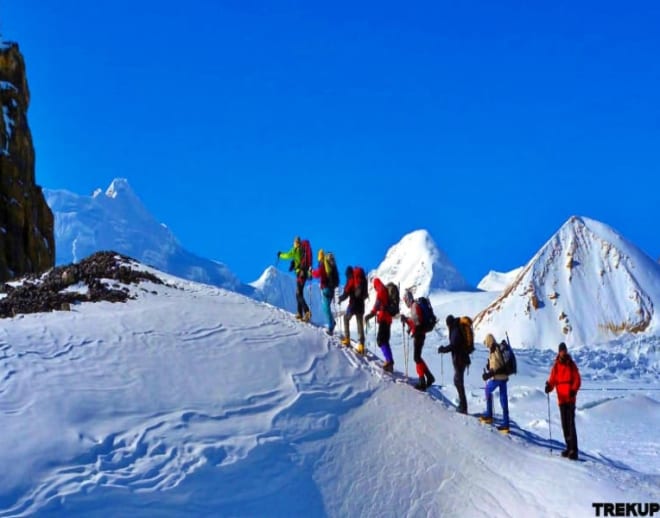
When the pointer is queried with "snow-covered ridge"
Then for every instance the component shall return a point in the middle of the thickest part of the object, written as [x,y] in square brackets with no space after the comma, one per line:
[587,284]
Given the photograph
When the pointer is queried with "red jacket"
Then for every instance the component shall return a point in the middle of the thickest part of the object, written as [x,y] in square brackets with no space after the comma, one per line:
[381,302]
[565,377]
[320,273]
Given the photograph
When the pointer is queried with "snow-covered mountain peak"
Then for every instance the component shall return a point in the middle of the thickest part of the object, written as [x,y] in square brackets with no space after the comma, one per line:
[116,219]
[498,281]
[119,186]
[586,284]
[416,261]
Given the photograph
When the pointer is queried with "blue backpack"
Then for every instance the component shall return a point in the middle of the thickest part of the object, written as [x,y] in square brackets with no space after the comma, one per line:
[429,319]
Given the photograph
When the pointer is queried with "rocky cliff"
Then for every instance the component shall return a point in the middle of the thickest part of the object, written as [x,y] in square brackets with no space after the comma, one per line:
[27,243]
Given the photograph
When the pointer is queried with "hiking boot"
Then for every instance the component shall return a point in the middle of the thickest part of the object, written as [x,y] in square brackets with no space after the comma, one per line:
[430,379]
[503,428]
[298,316]
[388,366]
[573,455]
[565,453]
[307,316]
[484,419]
[346,341]
[461,411]
[421,385]
[360,350]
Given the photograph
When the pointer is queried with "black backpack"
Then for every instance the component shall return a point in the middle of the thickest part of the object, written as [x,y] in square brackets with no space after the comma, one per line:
[392,306]
[510,364]
[429,319]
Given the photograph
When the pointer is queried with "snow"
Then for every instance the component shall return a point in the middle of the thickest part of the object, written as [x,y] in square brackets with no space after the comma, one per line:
[117,220]
[195,401]
[498,281]
[586,285]
[417,262]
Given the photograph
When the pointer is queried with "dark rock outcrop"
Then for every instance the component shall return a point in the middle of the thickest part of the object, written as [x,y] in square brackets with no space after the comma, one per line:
[101,276]
[27,243]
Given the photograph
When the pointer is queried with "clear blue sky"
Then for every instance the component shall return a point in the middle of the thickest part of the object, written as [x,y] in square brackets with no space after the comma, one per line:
[241,124]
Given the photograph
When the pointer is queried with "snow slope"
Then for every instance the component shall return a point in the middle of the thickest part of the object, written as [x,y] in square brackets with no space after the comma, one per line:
[195,401]
[118,220]
[586,285]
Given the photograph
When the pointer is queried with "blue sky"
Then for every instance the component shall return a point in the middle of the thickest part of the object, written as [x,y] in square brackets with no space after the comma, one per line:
[241,124]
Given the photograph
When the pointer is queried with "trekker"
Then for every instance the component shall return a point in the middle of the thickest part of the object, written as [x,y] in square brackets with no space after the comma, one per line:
[496,378]
[296,257]
[327,291]
[565,377]
[355,292]
[384,320]
[414,323]
[459,357]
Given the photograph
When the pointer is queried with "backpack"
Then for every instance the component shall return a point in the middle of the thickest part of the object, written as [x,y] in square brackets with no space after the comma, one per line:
[510,364]
[428,317]
[331,270]
[361,291]
[392,306]
[306,255]
[465,325]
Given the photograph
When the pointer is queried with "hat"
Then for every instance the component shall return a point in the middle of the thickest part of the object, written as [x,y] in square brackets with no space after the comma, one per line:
[296,240]
[408,297]
[562,347]
[489,341]
[349,271]
[450,320]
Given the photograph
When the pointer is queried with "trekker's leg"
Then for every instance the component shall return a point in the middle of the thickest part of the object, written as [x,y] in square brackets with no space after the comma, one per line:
[490,388]
[327,308]
[360,326]
[383,340]
[347,320]
[460,388]
[303,279]
[504,401]
[565,423]
[300,300]
[572,440]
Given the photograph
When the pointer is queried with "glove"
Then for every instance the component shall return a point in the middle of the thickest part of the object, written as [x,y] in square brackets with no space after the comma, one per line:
[342,298]
[573,393]
[404,320]
[369,316]
[440,349]
[279,254]
[548,388]
[486,375]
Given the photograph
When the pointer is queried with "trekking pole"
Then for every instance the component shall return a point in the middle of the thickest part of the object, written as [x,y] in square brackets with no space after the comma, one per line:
[549,427]
[405,349]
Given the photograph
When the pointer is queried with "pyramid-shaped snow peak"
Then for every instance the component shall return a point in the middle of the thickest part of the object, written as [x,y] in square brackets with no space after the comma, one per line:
[116,219]
[586,285]
[416,261]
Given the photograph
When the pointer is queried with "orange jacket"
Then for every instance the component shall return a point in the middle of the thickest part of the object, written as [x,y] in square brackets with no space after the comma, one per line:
[565,377]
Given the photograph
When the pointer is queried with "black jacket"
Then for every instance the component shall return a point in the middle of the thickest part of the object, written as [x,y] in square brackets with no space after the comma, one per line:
[459,356]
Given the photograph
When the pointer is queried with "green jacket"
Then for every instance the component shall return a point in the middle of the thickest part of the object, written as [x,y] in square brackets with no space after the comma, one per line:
[296,254]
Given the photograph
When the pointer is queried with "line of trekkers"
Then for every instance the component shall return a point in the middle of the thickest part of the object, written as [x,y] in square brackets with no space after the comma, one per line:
[564,375]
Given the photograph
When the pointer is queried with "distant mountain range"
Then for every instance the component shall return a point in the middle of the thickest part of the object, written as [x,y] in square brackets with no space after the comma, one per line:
[587,284]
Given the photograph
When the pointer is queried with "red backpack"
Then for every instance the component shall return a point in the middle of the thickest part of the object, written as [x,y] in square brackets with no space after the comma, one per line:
[306,255]
[361,290]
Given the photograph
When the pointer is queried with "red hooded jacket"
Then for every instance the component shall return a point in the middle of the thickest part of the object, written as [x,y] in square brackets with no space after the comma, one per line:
[565,377]
[382,299]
